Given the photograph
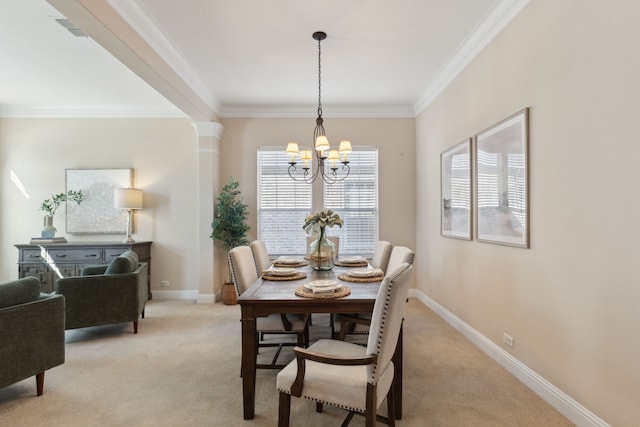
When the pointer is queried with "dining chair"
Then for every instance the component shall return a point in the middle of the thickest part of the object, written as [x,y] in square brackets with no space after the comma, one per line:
[244,274]
[260,255]
[358,324]
[348,375]
[334,239]
[381,255]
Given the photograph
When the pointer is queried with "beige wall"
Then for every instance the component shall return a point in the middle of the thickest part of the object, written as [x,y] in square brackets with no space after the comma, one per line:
[571,300]
[163,154]
[395,139]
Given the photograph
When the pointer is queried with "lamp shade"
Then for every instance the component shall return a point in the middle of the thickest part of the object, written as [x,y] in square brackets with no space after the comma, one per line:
[127,198]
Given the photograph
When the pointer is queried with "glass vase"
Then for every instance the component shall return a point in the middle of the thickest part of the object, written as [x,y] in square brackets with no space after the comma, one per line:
[322,252]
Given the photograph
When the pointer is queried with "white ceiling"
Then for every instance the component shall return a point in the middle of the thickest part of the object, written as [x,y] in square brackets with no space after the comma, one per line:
[216,58]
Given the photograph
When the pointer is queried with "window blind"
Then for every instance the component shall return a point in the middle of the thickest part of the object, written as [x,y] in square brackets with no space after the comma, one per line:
[356,201]
[282,204]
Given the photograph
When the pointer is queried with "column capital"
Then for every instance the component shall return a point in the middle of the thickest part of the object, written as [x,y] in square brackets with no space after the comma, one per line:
[209,129]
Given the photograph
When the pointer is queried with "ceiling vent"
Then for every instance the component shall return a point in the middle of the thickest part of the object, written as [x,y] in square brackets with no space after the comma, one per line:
[73,29]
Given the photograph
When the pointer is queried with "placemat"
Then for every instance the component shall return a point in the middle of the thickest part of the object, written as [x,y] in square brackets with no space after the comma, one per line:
[297,276]
[362,263]
[347,278]
[343,291]
[288,264]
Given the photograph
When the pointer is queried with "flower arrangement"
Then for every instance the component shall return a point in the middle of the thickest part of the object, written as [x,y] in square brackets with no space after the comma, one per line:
[51,205]
[316,222]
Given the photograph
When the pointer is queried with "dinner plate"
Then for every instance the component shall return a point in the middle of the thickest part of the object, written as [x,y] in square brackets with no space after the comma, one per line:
[352,259]
[289,260]
[322,285]
[361,272]
[278,271]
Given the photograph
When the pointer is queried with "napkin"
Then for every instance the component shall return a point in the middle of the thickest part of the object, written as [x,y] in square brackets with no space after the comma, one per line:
[323,290]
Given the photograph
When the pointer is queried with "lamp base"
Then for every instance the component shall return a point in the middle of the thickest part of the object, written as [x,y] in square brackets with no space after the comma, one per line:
[128,240]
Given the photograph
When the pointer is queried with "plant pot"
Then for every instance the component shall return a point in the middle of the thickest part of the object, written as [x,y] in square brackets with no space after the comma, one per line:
[229,295]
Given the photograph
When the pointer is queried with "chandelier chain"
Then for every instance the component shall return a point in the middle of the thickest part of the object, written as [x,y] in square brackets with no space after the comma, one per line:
[319,80]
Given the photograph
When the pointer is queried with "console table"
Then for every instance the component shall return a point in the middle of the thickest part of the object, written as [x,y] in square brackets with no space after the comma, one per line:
[49,261]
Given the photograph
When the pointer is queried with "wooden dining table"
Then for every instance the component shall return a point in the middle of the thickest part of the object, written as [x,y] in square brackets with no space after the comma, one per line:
[266,297]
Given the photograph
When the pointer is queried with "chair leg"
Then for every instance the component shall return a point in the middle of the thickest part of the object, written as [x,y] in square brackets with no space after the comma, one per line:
[318,407]
[135,326]
[284,410]
[40,383]
[143,313]
[391,407]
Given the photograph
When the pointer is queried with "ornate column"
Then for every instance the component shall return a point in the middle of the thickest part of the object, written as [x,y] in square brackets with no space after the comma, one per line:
[209,135]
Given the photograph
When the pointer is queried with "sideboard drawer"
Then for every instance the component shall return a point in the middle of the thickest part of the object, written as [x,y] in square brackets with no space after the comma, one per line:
[32,255]
[74,255]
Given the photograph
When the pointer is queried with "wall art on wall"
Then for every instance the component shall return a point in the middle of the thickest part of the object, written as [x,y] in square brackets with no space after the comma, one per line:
[502,181]
[455,191]
[97,214]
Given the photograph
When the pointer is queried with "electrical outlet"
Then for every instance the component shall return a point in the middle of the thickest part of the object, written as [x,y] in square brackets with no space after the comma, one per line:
[165,284]
[508,339]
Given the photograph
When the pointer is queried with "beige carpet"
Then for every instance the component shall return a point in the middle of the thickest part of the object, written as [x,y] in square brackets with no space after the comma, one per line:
[182,369]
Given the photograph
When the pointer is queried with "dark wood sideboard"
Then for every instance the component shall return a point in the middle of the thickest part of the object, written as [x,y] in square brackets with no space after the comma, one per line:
[49,261]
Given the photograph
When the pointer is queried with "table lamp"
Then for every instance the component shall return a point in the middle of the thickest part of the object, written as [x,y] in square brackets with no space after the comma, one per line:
[129,199]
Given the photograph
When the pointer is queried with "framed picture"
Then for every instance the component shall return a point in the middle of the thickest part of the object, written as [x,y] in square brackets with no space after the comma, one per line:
[455,191]
[97,214]
[502,181]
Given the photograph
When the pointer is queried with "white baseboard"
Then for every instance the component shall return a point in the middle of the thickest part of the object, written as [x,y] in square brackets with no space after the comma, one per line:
[562,402]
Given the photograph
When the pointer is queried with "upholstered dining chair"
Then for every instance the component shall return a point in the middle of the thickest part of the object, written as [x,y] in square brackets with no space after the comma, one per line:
[358,324]
[348,375]
[244,274]
[381,255]
[260,255]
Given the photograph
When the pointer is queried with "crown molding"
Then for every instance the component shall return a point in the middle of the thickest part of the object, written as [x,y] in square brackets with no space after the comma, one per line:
[310,111]
[493,22]
[101,113]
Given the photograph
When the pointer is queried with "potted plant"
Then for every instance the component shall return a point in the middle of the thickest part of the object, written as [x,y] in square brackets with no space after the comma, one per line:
[229,228]
[51,205]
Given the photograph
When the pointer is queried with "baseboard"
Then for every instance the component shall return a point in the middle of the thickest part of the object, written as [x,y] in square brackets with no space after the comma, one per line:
[562,402]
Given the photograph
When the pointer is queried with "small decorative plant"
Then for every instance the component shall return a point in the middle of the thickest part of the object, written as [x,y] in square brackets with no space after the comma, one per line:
[229,225]
[51,205]
[318,221]
[321,251]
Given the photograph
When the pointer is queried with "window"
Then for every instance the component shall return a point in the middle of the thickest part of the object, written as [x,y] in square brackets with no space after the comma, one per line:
[356,201]
[284,203]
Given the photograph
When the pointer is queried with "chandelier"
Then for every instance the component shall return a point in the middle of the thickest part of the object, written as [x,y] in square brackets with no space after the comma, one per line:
[322,151]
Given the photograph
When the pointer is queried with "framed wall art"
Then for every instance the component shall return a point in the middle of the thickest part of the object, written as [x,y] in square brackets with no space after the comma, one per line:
[502,181]
[455,191]
[97,214]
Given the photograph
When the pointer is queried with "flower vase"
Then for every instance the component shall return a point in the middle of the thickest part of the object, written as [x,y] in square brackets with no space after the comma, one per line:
[49,231]
[322,252]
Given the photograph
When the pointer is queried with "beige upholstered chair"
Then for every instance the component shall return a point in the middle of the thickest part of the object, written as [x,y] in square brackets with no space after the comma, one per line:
[260,255]
[347,324]
[334,239]
[381,255]
[244,274]
[348,375]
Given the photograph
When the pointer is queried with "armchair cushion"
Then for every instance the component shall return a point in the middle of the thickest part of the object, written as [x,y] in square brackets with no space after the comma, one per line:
[19,292]
[124,263]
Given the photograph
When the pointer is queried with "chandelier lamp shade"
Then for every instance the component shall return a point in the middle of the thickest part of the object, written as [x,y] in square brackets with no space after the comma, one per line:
[330,164]
[129,199]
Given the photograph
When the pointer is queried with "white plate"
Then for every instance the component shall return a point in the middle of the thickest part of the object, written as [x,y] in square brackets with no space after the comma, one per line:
[277,271]
[361,272]
[289,260]
[322,284]
[352,259]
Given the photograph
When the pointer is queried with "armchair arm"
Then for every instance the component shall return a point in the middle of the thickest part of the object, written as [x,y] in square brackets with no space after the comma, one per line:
[303,354]
[92,270]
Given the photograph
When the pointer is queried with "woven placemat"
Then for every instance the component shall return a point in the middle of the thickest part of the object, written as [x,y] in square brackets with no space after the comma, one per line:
[288,264]
[343,291]
[299,275]
[347,278]
[362,263]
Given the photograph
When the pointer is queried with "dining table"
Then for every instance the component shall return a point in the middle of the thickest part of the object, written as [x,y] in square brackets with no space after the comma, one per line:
[279,296]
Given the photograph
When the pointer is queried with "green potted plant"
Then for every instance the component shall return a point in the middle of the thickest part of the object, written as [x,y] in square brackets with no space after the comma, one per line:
[51,205]
[229,228]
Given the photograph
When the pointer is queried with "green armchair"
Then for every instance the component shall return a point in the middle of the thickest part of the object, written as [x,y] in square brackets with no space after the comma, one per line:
[32,332]
[106,294]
